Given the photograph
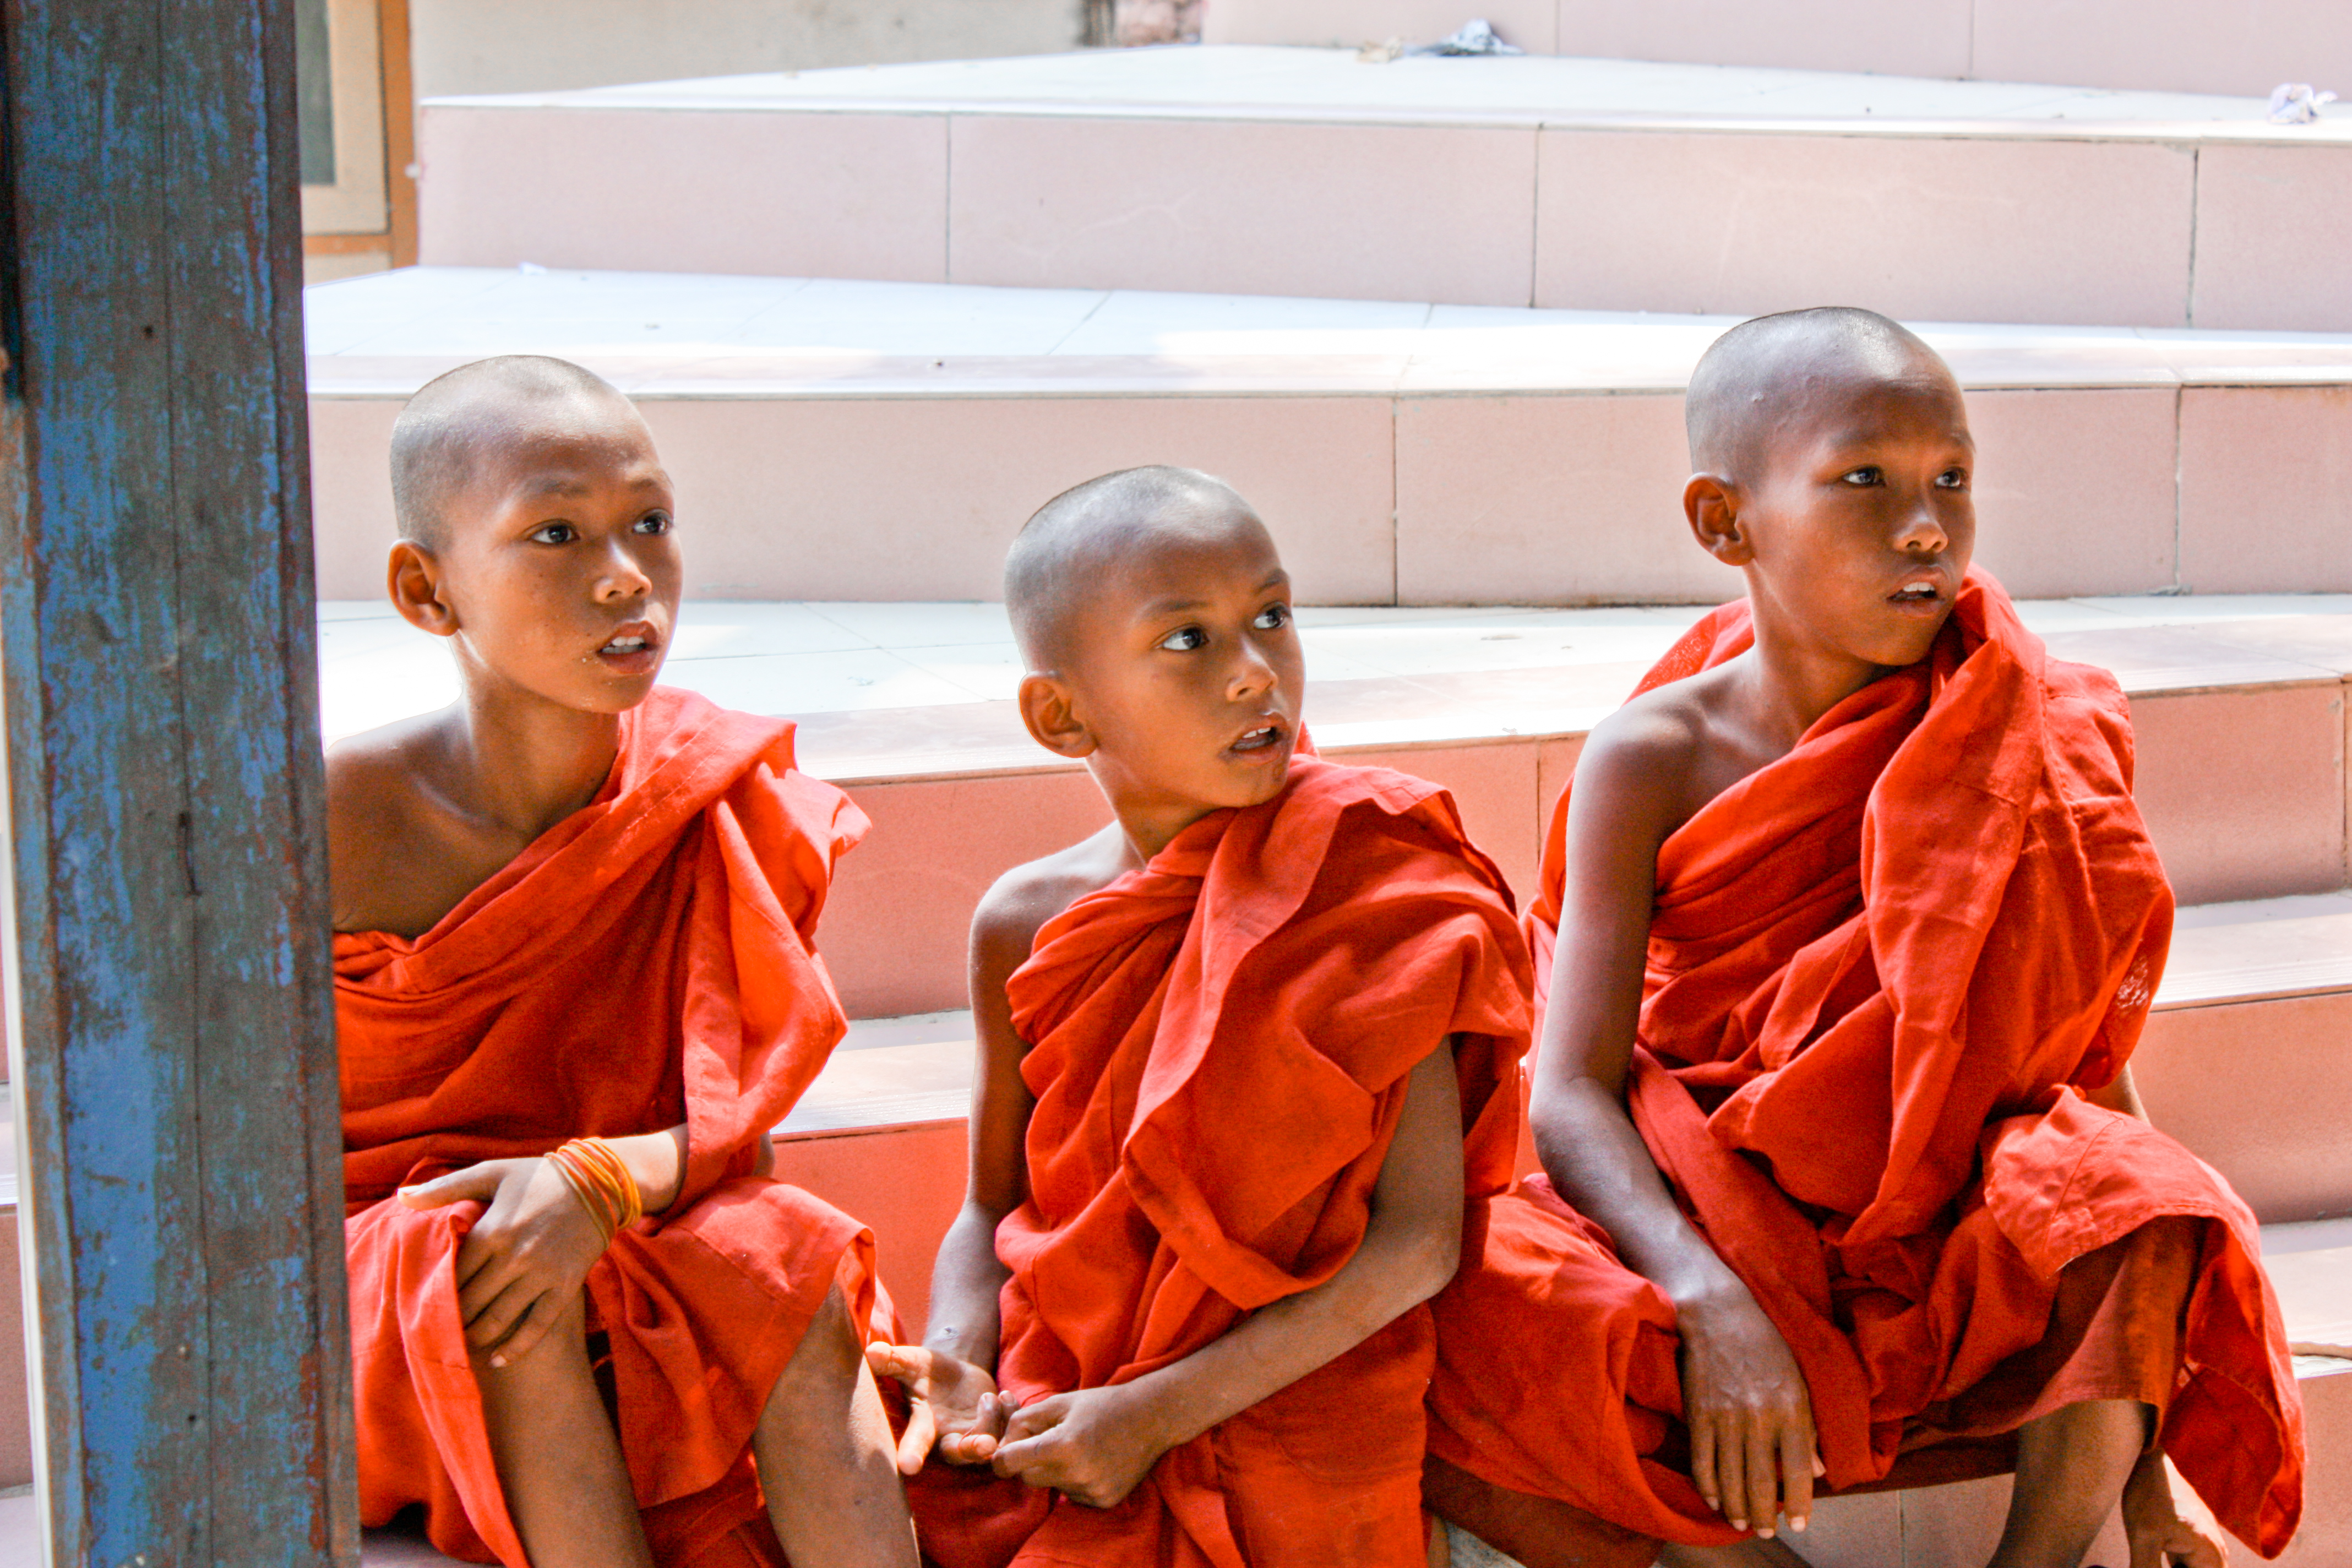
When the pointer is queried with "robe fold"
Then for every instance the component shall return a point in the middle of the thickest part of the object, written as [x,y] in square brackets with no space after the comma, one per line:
[1883,973]
[1218,1045]
[647,962]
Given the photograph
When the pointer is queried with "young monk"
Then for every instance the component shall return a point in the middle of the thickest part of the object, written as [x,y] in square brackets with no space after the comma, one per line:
[1845,1179]
[574,986]
[1239,1055]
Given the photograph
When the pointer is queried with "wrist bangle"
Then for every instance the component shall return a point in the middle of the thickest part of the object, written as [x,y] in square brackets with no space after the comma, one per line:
[600,1180]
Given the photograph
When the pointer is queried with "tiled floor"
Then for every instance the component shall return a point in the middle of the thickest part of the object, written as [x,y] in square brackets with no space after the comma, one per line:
[1328,83]
[690,335]
[876,680]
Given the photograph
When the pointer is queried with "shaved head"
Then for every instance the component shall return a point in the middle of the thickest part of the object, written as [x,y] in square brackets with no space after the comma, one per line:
[1763,375]
[447,433]
[1089,530]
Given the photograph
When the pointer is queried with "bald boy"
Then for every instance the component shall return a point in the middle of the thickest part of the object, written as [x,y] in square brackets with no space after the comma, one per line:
[1240,1054]
[576,986]
[1848,927]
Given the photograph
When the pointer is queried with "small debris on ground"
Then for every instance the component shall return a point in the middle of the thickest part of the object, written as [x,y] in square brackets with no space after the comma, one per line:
[1380,54]
[1476,37]
[2294,103]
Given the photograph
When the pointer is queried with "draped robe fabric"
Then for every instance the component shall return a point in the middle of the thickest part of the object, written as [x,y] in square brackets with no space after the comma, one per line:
[1882,973]
[647,962]
[1218,1047]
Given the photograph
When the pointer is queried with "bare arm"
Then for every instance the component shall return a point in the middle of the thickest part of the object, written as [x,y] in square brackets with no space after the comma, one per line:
[950,1378]
[1618,817]
[967,1279]
[2121,1095]
[1098,1444]
[1752,1439]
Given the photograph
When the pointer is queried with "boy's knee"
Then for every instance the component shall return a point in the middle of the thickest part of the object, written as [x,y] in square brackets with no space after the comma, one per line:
[826,1367]
[561,1342]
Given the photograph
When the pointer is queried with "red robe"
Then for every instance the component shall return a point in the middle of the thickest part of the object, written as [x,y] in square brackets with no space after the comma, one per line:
[1219,1046]
[1882,973]
[647,962]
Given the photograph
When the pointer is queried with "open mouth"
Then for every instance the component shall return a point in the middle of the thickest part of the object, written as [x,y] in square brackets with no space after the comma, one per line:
[632,644]
[1924,593]
[1259,739]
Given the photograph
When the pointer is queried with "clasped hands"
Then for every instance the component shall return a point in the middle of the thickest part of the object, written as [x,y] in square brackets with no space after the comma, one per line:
[1093,1445]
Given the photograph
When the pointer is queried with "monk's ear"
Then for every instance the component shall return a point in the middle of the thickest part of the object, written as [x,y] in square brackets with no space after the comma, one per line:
[1711,502]
[413,577]
[1054,722]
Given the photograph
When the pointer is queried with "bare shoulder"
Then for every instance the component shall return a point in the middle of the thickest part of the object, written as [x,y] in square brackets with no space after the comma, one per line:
[1646,758]
[385,834]
[1005,923]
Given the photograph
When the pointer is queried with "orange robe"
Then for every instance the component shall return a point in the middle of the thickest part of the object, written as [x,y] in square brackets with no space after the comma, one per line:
[1882,973]
[646,962]
[1219,1046]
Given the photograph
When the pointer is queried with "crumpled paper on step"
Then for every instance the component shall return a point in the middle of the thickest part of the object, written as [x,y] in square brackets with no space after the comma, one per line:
[2294,103]
[1476,37]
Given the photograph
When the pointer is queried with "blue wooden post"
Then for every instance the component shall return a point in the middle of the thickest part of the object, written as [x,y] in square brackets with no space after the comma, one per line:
[171,1015]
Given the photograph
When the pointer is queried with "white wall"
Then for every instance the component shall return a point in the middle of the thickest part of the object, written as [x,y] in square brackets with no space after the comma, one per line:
[521,46]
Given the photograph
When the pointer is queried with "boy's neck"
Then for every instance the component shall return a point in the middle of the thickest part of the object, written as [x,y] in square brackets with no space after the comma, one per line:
[522,761]
[1794,680]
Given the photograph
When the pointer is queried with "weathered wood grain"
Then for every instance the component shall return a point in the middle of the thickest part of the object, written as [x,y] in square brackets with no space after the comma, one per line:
[171,1027]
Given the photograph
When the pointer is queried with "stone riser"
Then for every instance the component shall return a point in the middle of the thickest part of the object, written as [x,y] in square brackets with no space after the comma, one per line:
[2178,46]
[1504,498]
[894,932]
[1981,221]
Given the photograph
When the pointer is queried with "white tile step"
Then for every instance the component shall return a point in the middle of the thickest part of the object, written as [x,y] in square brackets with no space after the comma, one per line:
[1554,181]
[1412,453]
[1329,84]
[694,335]
[808,658]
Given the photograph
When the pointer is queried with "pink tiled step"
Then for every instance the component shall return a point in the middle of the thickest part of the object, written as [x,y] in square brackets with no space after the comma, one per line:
[836,439]
[2168,45]
[1538,181]
[2242,748]
[2242,1061]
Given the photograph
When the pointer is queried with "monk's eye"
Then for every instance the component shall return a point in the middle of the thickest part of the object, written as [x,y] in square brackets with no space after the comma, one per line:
[1273,618]
[1184,639]
[656,523]
[554,533]
[1863,476]
[1953,479]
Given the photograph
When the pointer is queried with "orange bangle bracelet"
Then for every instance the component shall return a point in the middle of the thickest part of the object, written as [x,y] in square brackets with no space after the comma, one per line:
[600,1180]
[584,1188]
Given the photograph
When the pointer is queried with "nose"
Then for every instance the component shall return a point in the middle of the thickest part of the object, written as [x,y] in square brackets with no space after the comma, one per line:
[1253,675]
[1923,532]
[622,578]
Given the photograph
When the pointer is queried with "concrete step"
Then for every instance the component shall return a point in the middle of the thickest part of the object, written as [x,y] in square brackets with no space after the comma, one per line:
[1947,1527]
[1535,181]
[1407,453]
[2242,1060]
[2174,46]
[909,707]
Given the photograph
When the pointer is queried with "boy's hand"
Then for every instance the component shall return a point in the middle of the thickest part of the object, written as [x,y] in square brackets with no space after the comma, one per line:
[1093,1445]
[523,1264]
[2168,1525]
[1753,1451]
[952,1404]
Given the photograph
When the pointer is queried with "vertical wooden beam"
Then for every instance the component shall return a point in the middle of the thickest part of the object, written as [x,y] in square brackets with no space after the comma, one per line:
[397,53]
[171,1018]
